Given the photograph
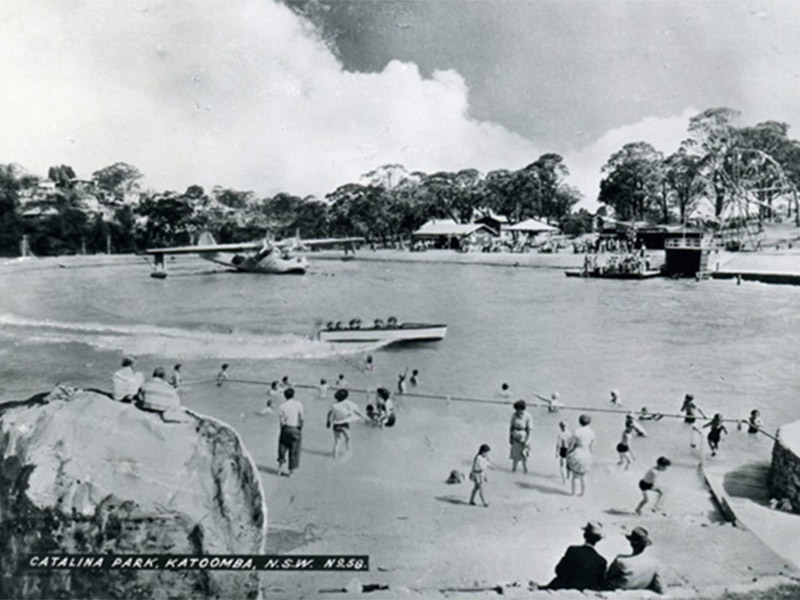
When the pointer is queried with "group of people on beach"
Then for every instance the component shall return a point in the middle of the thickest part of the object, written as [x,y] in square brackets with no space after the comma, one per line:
[574,450]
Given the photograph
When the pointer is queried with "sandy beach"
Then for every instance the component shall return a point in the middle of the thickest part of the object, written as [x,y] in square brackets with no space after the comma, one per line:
[389,499]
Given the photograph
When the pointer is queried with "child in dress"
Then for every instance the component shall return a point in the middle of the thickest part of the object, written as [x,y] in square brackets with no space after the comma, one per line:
[478,474]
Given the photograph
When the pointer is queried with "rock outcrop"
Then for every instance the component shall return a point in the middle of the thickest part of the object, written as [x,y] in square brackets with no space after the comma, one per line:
[82,474]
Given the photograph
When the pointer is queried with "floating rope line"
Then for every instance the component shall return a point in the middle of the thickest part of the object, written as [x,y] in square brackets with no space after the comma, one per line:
[467,399]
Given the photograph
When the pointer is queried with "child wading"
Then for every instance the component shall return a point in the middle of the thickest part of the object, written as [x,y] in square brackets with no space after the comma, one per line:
[478,474]
[650,483]
[715,434]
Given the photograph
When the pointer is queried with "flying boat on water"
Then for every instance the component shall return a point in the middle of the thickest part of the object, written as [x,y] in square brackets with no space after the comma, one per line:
[264,256]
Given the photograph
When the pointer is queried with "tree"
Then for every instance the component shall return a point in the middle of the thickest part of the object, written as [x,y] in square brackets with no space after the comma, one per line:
[680,173]
[712,139]
[62,175]
[10,230]
[166,221]
[632,181]
[117,179]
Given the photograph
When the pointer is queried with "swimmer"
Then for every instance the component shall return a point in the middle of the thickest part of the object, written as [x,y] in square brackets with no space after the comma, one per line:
[223,375]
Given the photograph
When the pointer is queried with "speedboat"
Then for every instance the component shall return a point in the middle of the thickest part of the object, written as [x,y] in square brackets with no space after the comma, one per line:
[403,332]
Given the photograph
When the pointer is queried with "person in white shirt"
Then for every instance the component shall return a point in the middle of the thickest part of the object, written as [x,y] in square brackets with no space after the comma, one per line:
[290,414]
[342,413]
[635,571]
[127,382]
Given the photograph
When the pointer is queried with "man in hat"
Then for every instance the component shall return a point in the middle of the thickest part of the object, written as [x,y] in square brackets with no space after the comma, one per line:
[635,571]
[582,567]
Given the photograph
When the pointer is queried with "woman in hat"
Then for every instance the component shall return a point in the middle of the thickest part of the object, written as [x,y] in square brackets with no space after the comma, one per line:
[579,453]
[519,436]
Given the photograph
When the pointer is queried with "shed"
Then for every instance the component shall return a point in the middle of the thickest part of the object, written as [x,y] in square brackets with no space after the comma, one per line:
[446,233]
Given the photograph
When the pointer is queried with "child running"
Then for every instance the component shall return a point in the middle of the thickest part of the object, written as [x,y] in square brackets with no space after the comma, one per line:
[562,448]
[650,483]
[478,474]
[715,434]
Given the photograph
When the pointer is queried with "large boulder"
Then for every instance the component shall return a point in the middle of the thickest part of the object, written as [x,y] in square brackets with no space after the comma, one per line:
[82,474]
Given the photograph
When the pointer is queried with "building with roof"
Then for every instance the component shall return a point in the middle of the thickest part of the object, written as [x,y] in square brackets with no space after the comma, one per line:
[446,233]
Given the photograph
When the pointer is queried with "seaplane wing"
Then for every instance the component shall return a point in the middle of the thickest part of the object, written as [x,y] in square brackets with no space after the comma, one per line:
[251,257]
[332,241]
[205,248]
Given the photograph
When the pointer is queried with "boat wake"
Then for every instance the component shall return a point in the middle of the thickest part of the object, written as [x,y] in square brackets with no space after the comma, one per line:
[177,342]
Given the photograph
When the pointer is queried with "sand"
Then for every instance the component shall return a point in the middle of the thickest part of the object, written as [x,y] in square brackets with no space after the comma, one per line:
[388,499]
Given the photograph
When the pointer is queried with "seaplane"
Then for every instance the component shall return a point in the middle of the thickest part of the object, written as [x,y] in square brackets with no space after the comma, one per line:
[264,256]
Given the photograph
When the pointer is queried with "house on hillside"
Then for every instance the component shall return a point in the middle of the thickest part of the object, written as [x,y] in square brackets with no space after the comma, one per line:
[446,233]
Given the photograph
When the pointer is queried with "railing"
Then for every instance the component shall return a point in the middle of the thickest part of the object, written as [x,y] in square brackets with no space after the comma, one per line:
[685,242]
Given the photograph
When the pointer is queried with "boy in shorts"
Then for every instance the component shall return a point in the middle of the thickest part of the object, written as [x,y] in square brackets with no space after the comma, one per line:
[649,483]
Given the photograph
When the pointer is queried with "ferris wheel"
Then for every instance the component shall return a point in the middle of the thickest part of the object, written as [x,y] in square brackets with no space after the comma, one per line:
[755,188]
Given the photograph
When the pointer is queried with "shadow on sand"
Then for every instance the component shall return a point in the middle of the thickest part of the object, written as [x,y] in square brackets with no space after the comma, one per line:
[268,470]
[545,489]
[453,500]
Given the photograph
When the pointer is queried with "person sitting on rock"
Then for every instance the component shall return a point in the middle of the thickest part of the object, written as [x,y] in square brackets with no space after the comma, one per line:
[127,382]
[159,396]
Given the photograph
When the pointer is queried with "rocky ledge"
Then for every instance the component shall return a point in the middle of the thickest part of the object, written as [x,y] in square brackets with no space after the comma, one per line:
[82,474]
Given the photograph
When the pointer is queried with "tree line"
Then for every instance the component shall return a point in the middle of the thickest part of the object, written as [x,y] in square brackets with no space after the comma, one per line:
[720,165]
[388,204]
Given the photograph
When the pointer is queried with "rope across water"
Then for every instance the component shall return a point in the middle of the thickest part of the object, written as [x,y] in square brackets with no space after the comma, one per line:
[467,399]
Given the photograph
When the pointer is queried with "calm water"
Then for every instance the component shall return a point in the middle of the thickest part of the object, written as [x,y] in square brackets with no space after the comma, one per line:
[735,347]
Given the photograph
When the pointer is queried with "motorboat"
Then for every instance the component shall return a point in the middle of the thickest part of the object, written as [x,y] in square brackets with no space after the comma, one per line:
[402,332]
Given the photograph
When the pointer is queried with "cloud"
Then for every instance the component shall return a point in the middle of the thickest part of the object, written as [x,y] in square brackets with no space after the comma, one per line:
[212,92]
[663,133]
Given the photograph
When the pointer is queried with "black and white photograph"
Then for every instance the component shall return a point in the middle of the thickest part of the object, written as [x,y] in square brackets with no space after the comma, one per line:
[399,299]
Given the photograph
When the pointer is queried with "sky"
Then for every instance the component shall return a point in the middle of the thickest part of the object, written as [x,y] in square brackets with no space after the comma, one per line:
[301,98]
